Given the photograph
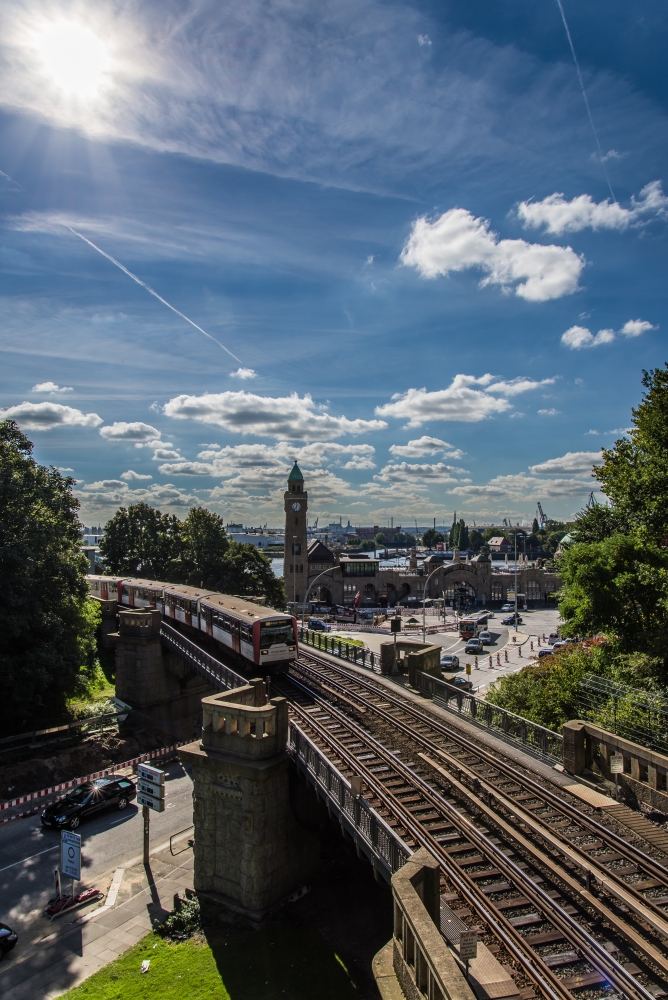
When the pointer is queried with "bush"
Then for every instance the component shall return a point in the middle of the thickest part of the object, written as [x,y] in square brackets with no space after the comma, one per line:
[182,922]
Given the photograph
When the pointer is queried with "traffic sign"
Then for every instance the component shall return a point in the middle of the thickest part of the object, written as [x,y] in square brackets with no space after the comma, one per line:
[149,788]
[468,945]
[617,763]
[157,804]
[147,773]
[70,855]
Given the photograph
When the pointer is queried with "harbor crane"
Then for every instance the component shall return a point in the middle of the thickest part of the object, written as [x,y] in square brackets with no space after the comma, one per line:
[542,519]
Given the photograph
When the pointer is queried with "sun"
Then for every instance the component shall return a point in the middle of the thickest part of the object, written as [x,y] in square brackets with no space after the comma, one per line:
[74,58]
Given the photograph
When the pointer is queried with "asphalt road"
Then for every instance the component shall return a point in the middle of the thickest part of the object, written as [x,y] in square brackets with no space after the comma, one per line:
[29,853]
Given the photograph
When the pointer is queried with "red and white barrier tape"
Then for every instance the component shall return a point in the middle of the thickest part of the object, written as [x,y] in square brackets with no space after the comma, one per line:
[64,785]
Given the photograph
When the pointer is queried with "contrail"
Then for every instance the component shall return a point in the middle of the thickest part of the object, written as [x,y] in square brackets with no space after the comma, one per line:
[584,95]
[151,291]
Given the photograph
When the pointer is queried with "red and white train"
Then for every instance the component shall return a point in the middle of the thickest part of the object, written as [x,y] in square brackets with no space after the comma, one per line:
[254,635]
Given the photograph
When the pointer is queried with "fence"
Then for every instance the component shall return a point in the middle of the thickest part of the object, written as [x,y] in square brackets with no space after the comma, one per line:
[639,716]
[212,669]
[58,733]
[360,655]
[513,728]
[372,835]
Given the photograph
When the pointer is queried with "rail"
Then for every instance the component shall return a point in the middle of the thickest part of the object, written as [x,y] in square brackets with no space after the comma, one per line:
[212,669]
[513,728]
[373,837]
[179,835]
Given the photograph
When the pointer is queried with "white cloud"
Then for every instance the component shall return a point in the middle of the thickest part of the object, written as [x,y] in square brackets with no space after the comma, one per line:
[424,40]
[106,484]
[135,431]
[131,474]
[577,337]
[64,468]
[518,385]
[51,388]
[466,399]
[523,487]
[593,432]
[293,417]
[425,445]
[244,373]
[457,241]
[549,413]
[46,416]
[404,472]
[163,454]
[634,327]
[570,464]
[186,469]
[558,216]
[359,463]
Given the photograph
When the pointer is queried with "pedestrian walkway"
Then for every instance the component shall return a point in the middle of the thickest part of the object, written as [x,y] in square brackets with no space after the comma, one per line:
[70,951]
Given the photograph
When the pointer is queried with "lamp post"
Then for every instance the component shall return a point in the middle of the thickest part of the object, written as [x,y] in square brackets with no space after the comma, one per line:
[330,570]
[516,534]
[424,594]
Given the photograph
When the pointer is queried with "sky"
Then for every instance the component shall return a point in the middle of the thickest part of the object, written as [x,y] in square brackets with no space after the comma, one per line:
[418,247]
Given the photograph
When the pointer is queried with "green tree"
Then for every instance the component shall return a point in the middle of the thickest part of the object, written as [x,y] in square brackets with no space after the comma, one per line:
[453,537]
[380,538]
[141,541]
[462,535]
[476,541]
[248,571]
[535,527]
[204,545]
[431,537]
[47,622]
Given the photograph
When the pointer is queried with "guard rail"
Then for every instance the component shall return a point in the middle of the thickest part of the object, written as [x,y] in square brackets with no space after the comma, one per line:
[215,672]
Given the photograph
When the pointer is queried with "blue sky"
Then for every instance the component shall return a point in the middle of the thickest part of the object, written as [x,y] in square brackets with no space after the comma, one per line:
[434,292]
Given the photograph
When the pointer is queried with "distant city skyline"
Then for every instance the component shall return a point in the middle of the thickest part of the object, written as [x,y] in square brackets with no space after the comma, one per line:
[380,239]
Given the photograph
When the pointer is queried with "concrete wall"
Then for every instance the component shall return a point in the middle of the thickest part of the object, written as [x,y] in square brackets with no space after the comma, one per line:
[411,656]
[422,962]
[588,747]
[251,851]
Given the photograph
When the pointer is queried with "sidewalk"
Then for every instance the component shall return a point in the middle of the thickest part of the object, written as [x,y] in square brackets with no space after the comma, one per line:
[74,947]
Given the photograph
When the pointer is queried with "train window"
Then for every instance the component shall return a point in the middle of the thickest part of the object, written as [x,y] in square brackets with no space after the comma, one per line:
[246,633]
[126,590]
[274,632]
[193,607]
[221,622]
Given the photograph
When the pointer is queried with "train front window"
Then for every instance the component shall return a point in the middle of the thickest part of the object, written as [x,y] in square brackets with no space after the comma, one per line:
[275,632]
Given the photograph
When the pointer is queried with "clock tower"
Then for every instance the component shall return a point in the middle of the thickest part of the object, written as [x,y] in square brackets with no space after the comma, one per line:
[295,560]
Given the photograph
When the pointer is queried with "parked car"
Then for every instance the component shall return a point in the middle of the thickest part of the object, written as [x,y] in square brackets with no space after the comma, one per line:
[87,799]
[8,939]
[560,644]
[449,661]
[553,637]
[318,625]
[544,652]
[508,607]
[485,637]
[510,620]
[473,645]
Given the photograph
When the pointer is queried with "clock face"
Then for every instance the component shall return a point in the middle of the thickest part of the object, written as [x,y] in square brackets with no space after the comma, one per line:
[296,506]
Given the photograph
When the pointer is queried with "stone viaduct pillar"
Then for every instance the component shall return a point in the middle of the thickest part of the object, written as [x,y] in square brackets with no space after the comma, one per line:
[250,851]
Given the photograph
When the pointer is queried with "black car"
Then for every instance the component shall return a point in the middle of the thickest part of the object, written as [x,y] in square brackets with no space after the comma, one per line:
[510,620]
[449,661]
[8,939]
[88,799]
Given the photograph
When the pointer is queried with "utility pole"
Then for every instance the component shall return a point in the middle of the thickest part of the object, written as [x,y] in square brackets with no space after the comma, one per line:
[294,570]
[515,582]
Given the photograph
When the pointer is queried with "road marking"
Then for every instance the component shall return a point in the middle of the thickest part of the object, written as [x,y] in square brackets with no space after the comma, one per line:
[114,887]
[23,860]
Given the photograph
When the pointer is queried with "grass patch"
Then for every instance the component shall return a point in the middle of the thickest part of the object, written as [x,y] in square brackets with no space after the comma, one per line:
[95,701]
[282,961]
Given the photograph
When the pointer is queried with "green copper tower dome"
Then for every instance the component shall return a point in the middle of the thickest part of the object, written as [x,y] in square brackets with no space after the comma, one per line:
[295,475]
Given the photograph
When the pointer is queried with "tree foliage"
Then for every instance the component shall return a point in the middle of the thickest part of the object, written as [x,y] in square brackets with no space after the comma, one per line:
[141,541]
[431,537]
[459,535]
[616,571]
[47,622]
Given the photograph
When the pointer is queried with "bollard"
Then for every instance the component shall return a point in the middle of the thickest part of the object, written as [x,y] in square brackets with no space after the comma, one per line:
[519,650]
[490,661]
[498,659]
[506,652]
[476,663]
[539,640]
[514,638]
[531,645]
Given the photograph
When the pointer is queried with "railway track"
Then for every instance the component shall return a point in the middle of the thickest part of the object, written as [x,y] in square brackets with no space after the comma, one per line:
[573,908]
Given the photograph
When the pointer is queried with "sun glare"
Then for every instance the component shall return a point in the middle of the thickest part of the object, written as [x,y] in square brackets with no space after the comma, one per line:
[74,58]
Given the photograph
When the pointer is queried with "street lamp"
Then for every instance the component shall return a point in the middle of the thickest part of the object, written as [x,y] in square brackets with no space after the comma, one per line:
[516,534]
[424,594]
[330,570]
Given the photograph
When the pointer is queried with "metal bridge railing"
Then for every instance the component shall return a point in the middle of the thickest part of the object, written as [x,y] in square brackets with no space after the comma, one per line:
[636,715]
[215,672]
[513,728]
[360,655]
[373,837]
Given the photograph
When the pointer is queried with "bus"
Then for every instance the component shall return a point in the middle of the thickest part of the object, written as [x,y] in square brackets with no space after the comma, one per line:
[472,625]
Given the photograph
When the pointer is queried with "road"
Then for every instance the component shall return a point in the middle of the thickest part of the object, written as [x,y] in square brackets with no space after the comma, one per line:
[29,853]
